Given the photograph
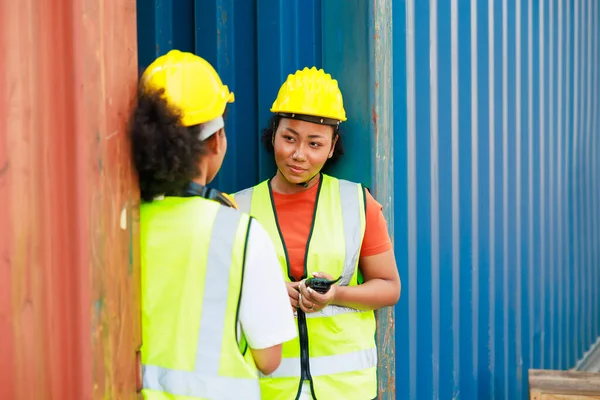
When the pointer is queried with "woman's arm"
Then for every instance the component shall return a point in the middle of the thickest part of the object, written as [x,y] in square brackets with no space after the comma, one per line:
[264,311]
[380,289]
[377,264]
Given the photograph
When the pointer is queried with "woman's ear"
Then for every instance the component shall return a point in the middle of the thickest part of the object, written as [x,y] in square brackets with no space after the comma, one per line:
[213,143]
[333,142]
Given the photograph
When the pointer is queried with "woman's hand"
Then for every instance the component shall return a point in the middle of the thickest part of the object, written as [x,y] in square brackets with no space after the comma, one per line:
[292,288]
[312,301]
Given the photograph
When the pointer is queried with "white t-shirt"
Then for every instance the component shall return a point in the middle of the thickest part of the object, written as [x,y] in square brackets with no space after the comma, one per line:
[266,316]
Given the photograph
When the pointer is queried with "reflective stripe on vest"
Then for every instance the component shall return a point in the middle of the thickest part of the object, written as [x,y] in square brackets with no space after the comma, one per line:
[244,200]
[204,381]
[185,383]
[328,365]
[352,230]
[331,311]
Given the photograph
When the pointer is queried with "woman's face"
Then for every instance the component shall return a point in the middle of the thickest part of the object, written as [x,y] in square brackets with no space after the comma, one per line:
[302,148]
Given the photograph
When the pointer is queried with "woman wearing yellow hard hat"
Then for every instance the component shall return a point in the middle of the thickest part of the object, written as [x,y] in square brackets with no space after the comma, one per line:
[206,267]
[333,246]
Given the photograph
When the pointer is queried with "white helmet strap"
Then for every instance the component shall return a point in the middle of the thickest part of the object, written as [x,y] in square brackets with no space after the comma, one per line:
[209,128]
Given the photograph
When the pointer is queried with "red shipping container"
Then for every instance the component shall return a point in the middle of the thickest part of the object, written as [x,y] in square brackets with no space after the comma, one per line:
[69,269]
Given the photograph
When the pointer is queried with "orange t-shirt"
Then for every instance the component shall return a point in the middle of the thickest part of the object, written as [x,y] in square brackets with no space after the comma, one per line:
[295,213]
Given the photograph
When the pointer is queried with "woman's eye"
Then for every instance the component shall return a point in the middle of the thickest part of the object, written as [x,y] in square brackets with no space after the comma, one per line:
[288,138]
[315,144]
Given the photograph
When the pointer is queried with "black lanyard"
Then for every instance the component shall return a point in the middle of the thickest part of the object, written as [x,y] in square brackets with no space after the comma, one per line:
[194,189]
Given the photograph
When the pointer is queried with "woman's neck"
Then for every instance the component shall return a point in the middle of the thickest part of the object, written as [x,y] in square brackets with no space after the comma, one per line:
[281,185]
[200,180]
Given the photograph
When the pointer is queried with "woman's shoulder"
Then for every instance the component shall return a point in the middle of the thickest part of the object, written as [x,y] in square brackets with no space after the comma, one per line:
[243,198]
[250,189]
[368,197]
[341,180]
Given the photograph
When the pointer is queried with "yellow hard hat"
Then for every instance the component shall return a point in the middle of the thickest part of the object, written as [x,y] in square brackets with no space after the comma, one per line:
[191,84]
[310,92]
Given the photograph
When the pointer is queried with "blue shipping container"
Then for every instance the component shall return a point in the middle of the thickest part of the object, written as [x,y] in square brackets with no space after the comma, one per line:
[476,125]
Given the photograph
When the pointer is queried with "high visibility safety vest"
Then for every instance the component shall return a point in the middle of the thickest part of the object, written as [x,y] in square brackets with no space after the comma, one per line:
[192,252]
[335,348]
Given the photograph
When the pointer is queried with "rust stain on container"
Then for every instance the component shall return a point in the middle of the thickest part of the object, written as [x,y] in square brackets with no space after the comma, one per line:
[69,311]
[382,129]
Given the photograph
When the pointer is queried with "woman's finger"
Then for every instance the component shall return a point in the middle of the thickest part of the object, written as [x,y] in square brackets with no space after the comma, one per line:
[292,288]
[293,294]
[323,275]
[294,302]
[303,289]
[318,297]
[314,296]
[306,304]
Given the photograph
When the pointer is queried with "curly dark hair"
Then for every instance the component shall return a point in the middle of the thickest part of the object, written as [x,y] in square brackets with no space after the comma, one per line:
[267,140]
[165,153]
